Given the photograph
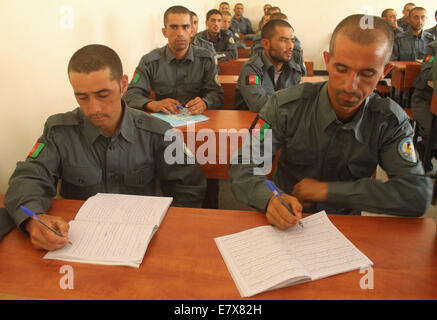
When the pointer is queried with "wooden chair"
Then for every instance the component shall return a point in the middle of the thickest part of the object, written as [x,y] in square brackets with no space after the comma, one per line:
[231,67]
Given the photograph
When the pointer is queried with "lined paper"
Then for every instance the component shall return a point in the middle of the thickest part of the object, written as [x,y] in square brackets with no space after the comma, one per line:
[265,258]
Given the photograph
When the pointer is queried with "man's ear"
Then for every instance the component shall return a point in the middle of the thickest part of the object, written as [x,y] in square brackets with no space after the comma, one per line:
[326,57]
[124,83]
[265,43]
[164,32]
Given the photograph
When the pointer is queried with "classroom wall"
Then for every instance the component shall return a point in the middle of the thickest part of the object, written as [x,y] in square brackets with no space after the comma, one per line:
[39,37]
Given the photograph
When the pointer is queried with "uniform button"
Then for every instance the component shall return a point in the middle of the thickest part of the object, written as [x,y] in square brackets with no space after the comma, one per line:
[80,180]
[140,121]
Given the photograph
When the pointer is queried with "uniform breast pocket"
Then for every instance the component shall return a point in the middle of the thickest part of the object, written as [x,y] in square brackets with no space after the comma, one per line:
[141,180]
[82,176]
[80,183]
[301,160]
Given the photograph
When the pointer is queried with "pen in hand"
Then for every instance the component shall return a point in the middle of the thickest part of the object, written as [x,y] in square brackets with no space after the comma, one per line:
[32,215]
[277,193]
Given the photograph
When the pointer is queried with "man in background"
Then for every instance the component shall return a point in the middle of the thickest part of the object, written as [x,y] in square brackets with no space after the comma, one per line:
[226,25]
[244,24]
[271,70]
[390,15]
[199,41]
[404,22]
[223,41]
[410,45]
[178,73]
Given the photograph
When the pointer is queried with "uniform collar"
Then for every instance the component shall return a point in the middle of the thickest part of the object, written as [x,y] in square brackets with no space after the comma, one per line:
[421,36]
[290,65]
[169,56]
[326,114]
[126,129]
[210,39]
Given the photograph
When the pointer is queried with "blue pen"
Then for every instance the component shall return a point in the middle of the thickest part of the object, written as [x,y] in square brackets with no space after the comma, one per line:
[277,193]
[31,214]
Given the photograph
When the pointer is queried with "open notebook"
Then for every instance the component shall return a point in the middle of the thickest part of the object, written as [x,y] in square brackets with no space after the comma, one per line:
[266,258]
[180,119]
[113,229]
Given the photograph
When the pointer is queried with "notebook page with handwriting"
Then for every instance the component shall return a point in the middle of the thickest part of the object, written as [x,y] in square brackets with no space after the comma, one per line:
[105,243]
[322,248]
[258,260]
[124,208]
[266,258]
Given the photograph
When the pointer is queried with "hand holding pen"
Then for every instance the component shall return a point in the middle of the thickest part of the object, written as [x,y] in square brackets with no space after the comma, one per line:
[46,231]
[283,210]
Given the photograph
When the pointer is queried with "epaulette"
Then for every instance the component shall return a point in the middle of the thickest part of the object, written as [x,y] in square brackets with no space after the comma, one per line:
[152,55]
[297,92]
[70,118]
[149,123]
[388,107]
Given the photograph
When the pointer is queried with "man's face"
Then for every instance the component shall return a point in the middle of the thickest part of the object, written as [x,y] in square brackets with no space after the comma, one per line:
[354,70]
[391,18]
[280,46]
[226,22]
[265,19]
[178,31]
[195,25]
[238,10]
[224,8]
[99,97]
[266,8]
[407,9]
[418,19]
[214,24]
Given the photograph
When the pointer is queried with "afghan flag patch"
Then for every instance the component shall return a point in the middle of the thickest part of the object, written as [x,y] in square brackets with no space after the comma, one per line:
[36,150]
[253,79]
[259,128]
[429,58]
[135,78]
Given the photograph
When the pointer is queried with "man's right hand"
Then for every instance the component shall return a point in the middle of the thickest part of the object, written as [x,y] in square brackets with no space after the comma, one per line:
[279,216]
[167,106]
[44,239]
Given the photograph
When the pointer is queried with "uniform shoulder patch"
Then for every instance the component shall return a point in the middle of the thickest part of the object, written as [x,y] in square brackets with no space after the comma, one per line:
[36,150]
[258,128]
[252,79]
[406,150]
[135,77]
[429,58]
[231,40]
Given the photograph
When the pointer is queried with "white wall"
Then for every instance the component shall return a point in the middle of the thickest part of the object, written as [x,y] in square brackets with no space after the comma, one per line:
[36,45]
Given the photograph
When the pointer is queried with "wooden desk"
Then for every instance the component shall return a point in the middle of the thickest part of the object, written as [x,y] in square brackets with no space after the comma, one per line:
[403,74]
[220,120]
[229,83]
[243,52]
[183,262]
[231,67]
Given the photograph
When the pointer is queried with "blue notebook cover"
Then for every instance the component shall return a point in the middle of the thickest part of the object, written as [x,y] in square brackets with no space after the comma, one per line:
[181,119]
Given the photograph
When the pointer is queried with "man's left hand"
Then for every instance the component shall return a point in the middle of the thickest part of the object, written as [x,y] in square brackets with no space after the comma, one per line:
[310,190]
[196,106]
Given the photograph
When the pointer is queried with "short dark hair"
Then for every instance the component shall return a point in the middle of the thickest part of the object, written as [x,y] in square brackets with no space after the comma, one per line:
[278,15]
[96,57]
[224,2]
[351,27]
[415,9]
[408,4]
[176,10]
[226,13]
[211,12]
[274,9]
[385,12]
[269,29]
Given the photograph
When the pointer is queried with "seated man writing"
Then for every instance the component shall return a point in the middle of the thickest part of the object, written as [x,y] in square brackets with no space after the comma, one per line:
[332,136]
[101,146]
